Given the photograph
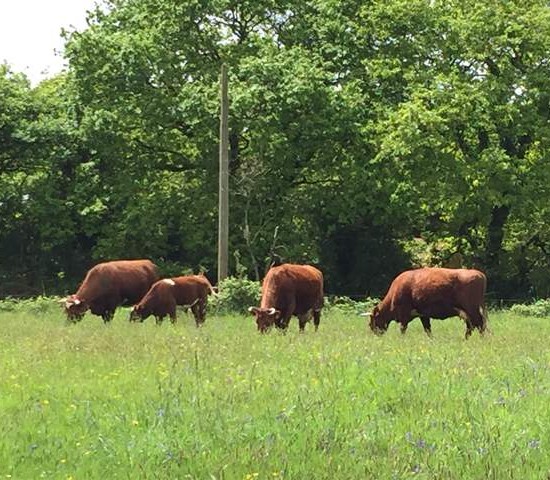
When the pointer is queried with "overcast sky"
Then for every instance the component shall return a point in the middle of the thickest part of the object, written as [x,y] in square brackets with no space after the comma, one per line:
[30,33]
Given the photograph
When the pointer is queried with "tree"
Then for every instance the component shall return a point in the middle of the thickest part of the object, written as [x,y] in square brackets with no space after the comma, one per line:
[371,136]
[39,155]
[471,122]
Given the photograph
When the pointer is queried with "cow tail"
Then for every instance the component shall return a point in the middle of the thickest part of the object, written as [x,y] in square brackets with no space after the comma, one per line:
[193,304]
[485,317]
[211,290]
[483,307]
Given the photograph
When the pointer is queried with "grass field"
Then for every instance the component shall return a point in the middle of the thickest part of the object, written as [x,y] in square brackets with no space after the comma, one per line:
[141,401]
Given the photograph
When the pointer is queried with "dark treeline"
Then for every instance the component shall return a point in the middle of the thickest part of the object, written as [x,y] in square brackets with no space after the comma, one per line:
[371,136]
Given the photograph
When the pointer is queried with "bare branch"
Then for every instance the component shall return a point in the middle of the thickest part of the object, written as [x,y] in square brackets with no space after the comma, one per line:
[185,165]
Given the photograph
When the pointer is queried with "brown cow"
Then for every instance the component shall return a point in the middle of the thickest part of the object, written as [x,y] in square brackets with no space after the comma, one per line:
[290,290]
[433,293]
[164,295]
[110,284]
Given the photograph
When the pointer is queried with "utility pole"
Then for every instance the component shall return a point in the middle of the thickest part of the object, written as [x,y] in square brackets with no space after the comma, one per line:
[223,209]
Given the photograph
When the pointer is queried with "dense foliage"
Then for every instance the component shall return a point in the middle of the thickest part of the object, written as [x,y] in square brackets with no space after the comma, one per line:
[235,296]
[540,308]
[370,136]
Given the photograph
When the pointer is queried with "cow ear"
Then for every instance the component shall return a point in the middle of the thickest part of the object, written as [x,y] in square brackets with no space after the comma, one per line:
[253,310]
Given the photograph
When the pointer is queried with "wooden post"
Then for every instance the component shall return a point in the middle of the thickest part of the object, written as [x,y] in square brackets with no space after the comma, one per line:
[223,211]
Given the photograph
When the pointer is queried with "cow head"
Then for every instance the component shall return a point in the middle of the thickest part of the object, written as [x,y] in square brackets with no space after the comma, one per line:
[75,308]
[138,313]
[378,324]
[265,317]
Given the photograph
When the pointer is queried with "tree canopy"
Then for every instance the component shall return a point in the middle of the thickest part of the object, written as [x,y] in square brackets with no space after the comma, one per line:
[366,137]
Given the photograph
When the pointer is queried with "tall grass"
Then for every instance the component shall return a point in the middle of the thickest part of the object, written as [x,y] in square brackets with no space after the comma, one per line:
[141,401]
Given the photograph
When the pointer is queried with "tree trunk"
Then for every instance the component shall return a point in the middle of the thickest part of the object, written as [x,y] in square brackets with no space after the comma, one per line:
[499,216]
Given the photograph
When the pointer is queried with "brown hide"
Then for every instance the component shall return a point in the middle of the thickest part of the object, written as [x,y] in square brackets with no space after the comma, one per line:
[290,290]
[110,284]
[433,293]
[166,294]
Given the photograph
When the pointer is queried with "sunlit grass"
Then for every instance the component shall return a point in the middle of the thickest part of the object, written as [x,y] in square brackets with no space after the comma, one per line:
[141,401]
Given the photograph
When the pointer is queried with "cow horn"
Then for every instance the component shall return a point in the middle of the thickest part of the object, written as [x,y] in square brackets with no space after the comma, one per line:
[271,311]
[76,301]
[365,314]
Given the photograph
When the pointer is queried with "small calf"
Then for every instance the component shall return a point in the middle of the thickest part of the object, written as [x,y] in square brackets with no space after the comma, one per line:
[163,297]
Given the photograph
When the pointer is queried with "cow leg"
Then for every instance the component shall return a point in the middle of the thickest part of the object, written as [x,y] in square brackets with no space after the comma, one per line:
[202,308]
[469,327]
[427,325]
[302,320]
[196,309]
[477,320]
[282,323]
[483,313]
[316,318]
[171,311]
[404,321]
[473,319]
[467,320]
[403,317]
[108,316]
[159,319]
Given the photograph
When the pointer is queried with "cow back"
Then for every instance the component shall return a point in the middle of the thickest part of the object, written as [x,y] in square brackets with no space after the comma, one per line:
[455,284]
[298,285]
[189,288]
[118,281]
[159,298]
[436,291]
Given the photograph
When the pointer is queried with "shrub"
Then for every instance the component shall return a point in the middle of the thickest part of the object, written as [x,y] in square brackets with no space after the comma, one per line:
[236,295]
[348,306]
[540,308]
[36,305]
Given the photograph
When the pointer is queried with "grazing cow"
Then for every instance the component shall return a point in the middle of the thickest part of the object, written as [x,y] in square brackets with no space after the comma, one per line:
[289,290]
[110,284]
[433,293]
[164,295]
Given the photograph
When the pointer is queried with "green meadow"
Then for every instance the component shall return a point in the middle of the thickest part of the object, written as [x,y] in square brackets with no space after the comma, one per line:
[133,401]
